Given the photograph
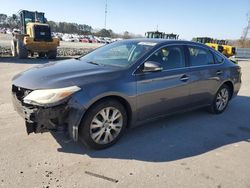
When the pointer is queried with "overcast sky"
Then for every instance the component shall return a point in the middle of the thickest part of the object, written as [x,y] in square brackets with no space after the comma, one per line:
[213,18]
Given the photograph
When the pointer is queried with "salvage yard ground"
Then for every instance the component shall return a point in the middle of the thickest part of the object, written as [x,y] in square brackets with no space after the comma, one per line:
[196,149]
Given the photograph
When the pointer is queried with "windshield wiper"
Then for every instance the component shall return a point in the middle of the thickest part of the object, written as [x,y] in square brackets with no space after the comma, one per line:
[91,62]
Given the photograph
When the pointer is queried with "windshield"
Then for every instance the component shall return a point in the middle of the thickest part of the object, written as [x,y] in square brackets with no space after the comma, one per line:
[121,54]
[33,17]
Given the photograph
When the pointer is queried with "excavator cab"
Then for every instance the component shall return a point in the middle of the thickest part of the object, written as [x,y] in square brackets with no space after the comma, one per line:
[204,40]
[30,17]
[154,34]
[171,36]
[161,35]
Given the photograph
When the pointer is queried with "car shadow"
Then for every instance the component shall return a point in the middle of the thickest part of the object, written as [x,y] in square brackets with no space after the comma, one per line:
[176,137]
[33,60]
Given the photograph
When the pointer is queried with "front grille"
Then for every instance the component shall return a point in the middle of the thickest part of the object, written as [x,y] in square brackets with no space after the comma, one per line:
[42,33]
[20,92]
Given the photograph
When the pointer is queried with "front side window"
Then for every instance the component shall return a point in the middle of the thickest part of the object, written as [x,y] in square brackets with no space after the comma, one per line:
[200,56]
[120,54]
[170,57]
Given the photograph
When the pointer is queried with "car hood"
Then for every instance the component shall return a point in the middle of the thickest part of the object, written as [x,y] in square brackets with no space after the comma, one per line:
[62,74]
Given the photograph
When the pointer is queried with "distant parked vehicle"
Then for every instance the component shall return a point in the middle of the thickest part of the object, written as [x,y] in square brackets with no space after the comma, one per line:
[70,39]
[16,31]
[2,31]
[84,40]
[93,40]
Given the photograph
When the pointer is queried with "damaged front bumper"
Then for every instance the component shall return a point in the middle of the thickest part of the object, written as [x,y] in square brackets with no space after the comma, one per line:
[65,116]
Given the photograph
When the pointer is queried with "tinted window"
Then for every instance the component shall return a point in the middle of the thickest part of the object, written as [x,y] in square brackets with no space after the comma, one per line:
[199,56]
[171,57]
[218,59]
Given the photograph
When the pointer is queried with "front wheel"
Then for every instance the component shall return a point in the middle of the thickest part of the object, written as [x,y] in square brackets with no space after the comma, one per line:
[103,124]
[221,100]
[22,51]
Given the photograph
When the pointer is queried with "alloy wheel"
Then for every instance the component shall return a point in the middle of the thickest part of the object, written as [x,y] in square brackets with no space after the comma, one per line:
[222,99]
[106,125]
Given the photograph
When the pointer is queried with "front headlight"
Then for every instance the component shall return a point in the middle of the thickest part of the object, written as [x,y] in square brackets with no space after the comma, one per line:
[49,96]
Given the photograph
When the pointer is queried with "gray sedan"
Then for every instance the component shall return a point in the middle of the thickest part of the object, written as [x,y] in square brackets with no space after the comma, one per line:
[97,96]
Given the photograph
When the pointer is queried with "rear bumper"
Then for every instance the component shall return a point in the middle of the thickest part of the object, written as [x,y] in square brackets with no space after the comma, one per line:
[66,116]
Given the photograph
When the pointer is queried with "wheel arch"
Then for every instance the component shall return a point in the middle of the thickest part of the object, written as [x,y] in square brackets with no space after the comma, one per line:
[120,99]
[231,87]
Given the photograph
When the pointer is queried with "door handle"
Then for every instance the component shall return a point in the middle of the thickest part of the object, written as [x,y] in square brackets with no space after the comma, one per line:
[184,78]
[218,72]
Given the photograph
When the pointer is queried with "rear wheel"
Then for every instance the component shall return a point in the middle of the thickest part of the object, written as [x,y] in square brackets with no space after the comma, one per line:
[22,52]
[52,54]
[221,100]
[103,124]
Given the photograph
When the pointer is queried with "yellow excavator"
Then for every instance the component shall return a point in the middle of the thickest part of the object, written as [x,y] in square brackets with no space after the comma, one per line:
[219,45]
[35,37]
[209,42]
[228,50]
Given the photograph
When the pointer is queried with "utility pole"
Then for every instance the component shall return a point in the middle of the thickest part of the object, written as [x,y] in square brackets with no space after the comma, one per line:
[246,29]
[106,12]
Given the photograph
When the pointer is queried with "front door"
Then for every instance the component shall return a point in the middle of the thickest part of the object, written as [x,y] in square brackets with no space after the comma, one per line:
[166,91]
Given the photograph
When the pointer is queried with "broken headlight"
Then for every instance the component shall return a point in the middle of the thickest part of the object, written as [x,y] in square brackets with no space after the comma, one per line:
[49,96]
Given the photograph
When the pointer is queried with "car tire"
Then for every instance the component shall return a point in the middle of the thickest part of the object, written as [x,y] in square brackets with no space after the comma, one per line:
[22,51]
[103,124]
[221,100]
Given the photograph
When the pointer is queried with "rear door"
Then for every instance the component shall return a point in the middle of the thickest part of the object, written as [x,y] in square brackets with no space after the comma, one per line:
[164,91]
[205,75]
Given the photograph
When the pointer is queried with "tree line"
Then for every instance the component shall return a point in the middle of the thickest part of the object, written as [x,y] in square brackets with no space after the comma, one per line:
[9,21]
[13,21]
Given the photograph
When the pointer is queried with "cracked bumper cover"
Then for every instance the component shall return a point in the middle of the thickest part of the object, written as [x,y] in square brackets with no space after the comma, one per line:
[65,116]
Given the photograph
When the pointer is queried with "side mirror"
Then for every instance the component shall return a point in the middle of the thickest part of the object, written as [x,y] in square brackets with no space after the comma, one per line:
[151,66]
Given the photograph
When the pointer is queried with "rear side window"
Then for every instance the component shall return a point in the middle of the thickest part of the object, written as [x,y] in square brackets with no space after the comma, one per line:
[218,59]
[200,56]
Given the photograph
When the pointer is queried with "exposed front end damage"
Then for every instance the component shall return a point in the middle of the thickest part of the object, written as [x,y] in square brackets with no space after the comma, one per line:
[38,119]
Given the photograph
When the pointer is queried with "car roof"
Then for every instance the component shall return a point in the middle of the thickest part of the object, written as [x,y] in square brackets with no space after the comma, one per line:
[167,41]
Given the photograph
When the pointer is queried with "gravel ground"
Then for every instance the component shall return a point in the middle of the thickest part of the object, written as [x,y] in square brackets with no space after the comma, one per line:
[196,149]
